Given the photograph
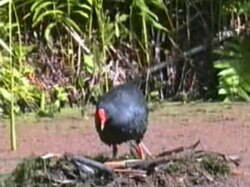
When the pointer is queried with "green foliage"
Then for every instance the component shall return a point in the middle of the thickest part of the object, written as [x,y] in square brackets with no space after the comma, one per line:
[215,166]
[85,36]
[22,89]
[239,6]
[234,74]
[25,171]
[59,14]
[50,105]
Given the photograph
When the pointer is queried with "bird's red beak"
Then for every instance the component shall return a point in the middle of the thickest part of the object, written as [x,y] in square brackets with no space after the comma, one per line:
[102,117]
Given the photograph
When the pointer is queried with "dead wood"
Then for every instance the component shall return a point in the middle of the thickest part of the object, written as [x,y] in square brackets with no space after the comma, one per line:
[178,149]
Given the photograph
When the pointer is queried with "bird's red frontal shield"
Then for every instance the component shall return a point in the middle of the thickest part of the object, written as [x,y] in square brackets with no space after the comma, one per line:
[102,117]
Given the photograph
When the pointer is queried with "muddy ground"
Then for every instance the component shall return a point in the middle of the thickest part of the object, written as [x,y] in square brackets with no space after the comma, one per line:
[222,128]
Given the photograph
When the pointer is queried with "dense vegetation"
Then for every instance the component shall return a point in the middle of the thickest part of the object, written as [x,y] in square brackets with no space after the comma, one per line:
[57,53]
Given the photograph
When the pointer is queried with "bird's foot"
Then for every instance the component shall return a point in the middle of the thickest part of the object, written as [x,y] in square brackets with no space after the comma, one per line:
[145,149]
[142,151]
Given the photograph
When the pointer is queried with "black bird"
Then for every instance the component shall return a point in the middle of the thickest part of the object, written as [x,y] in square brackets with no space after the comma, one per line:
[121,116]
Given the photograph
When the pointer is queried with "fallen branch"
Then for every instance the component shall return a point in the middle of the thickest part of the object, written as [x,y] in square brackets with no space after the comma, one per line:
[121,163]
[224,35]
[179,149]
[152,163]
[146,164]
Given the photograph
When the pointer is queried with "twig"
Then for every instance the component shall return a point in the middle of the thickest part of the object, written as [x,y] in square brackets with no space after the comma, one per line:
[160,158]
[151,163]
[179,149]
[133,172]
[63,182]
[240,173]
[50,155]
[120,164]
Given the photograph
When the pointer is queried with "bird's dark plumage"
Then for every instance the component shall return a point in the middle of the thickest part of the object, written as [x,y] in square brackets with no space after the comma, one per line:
[127,115]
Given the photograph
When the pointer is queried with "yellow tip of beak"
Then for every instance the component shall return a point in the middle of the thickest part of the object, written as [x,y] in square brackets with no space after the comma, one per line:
[102,126]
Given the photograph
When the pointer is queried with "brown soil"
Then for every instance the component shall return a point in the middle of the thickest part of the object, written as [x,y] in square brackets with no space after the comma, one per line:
[221,128]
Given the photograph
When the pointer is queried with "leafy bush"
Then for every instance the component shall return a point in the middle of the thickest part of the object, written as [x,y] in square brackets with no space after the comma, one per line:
[234,70]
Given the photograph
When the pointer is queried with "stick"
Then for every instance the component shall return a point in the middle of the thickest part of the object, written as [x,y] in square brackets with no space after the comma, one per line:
[179,149]
[120,164]
[50,155]
[134,172]
[160,159]
[147,164]
[240,173]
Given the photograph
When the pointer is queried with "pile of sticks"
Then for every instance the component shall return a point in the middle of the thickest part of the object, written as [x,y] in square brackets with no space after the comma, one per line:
[86,168]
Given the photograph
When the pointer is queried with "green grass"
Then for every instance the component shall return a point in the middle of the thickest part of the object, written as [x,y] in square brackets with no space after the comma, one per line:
[66,113]
[204,111]
[209,111]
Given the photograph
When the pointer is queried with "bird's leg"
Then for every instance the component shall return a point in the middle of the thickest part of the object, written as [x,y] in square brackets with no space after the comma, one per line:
[142,151]
[115,151]
[145,149]
[132,148]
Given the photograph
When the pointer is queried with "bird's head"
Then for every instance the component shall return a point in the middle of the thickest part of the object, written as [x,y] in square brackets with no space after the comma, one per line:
[101,116]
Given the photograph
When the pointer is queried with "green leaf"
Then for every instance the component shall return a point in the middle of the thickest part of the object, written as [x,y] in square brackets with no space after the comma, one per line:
[232,47]
[3,2]
[70,23]
[122,18]
[232,80]
[245,85]
[90,2]
[5,46]
[47,32]
[52,13]
[222,64]
[84,6]
[5,94]
[57,104]
[81,13]
[89,64]
[117,31]
[222,91]
[35,4]
[40,8]
[158,26]
[226,72]
[244,95]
